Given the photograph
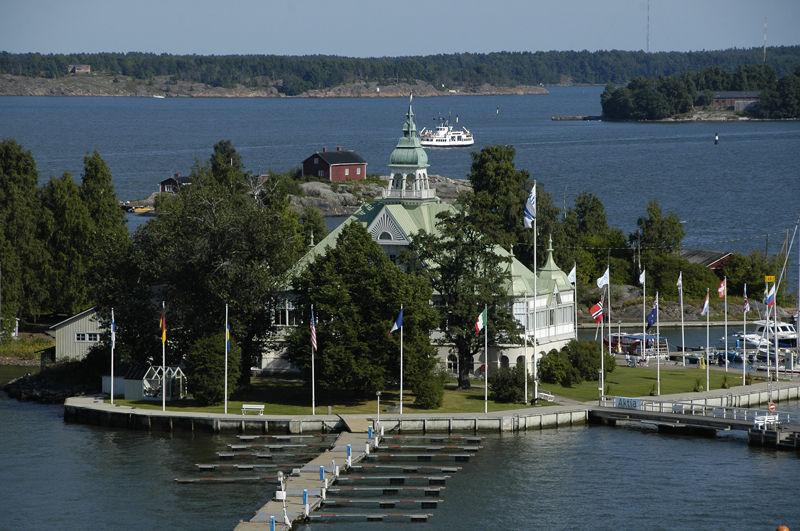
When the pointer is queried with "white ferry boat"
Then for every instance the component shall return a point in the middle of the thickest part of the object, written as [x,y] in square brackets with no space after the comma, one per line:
[444,135]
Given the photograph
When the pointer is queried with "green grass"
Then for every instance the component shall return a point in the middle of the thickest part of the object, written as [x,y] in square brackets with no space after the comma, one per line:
[636,381]
[25,347]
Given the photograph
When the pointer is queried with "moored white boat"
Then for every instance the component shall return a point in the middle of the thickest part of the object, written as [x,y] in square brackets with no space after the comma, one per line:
[787,335]
[445,135]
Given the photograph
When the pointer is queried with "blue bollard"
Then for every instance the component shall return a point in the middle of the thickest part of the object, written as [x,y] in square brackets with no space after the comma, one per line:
[271,523]
[370,433]
[321,472]
[305,496]
[349,451]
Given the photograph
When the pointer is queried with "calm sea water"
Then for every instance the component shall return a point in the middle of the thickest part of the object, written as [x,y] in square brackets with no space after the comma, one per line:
[730,195]
[56,475]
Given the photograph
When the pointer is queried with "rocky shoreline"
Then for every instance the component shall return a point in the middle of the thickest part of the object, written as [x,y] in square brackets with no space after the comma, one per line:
[29,389]
[163,86]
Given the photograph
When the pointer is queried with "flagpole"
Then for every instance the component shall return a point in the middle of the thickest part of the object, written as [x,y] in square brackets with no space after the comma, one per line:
[602,356]
[113,344]
[163,359]
[658,349]
[313,386]
[227,339]
[683,336]
[535,295]
[401,362]
[725,282]
[575,300]
[525,385]
[644,312]
[486,358]
[708,311]
[608,268]
[744,339]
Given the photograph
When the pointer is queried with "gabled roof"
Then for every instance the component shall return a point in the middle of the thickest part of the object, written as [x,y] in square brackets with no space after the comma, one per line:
[705,258]
[339,157]
[69,320]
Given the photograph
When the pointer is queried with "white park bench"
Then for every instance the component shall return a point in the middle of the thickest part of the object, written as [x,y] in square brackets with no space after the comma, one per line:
[546,395]
[255,408]
[762,422]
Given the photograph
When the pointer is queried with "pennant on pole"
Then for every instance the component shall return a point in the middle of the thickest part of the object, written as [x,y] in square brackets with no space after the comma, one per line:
[397,324]
[641,278]
[680,281]
[163,325]
[530,208]
[603,281]
[722,287]
[572,277]
[481,322]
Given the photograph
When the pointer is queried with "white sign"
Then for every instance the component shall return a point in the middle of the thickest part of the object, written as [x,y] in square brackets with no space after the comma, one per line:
[627,403]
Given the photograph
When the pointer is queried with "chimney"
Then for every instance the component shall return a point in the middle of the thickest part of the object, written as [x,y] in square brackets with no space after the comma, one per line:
[324,149]
[177,175]
[338,148]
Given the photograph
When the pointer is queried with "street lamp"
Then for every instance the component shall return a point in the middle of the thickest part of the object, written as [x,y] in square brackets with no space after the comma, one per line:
[379,410]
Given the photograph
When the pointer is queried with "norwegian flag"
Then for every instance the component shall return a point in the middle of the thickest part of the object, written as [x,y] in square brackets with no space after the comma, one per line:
[597,311]
[746,302]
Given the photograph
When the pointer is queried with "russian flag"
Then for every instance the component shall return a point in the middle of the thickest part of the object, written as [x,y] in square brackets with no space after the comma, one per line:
[770,297]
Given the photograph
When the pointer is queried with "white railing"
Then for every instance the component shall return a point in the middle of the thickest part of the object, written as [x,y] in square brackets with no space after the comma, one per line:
[409,194]
[694,409]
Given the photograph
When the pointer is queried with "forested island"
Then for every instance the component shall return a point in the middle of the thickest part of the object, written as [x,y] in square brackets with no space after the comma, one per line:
[143,74]
[673,96]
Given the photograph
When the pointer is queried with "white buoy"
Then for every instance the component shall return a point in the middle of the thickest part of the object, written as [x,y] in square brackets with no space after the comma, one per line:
[367,448]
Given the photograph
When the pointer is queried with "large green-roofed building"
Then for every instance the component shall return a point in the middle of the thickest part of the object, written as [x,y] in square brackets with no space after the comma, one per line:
[409,205]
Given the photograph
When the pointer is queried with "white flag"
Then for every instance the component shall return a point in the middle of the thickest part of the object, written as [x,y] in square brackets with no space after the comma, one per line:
[641,278]
[530,208]
[603,281]
[572,276]
[680,280]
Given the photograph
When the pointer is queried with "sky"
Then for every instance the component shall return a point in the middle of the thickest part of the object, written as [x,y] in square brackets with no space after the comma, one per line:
[377,28]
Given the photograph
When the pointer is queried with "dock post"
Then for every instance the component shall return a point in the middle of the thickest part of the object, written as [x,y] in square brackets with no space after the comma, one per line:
[370,433]
[271,523]
[305,502]
[349,456]
[321,473]
[367,448]
[335,468]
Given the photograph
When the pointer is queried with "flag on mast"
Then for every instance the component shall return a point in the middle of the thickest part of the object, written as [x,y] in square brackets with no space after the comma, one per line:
[704,311]
[313,331]
[113,330]
[722,287]
[163,325]
[770,301]
[641,278]
[572,277]
[746,302]
[680,281]
[603,281]
[481,322]
[653,315]
[597,311]
[530,208]
[397,324]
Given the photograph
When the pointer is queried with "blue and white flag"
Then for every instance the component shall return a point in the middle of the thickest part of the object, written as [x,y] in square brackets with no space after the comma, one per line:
[113,330]
[397,324]
[530,208]
[572,277]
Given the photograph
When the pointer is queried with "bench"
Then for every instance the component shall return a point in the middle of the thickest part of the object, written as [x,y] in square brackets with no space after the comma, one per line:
[256,408]
[762,422]
[392,407]
[677,408]
[546,395]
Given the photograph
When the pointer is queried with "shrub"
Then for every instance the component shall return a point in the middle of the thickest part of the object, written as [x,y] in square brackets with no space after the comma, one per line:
[205,368]
[556,368]
[429,392]
[507,385]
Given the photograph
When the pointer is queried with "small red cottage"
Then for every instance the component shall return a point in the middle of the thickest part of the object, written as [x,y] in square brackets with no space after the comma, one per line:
[335,166]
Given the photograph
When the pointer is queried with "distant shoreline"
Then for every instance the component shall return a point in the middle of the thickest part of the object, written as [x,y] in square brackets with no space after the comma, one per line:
[105,85]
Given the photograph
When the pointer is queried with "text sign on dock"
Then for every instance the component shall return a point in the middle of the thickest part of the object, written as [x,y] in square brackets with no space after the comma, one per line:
[769,279]
[628,403]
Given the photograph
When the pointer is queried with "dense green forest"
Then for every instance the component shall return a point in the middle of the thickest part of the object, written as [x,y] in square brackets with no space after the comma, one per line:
[666,96]
[294,75]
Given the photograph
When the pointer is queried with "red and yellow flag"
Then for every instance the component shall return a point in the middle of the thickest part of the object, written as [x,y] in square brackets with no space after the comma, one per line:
[163,325]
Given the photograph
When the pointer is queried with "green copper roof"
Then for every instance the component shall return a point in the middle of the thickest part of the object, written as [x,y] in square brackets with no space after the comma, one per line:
[409,151]
[551,271]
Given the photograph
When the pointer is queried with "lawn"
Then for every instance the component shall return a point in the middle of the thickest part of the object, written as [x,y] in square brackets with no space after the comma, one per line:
[289,397]
[637,381]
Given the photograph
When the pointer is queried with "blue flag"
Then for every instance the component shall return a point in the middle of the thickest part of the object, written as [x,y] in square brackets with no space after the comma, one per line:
[653,315]
[397,324]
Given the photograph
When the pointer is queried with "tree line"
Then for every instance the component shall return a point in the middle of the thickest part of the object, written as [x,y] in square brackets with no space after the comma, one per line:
[666,96]
[294,75]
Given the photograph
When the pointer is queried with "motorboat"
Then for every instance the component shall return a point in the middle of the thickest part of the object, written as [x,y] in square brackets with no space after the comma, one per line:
[787,334]
[631,344]
[445,135]
[740,340]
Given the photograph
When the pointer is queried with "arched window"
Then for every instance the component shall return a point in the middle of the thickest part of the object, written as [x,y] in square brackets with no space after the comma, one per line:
[504,361]
[452,363]
[385,236]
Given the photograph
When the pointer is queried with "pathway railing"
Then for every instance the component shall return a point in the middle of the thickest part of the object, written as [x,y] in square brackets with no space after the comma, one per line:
[695,409]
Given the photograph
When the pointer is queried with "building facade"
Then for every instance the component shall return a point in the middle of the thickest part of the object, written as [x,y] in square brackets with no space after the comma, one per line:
[76,335]
[335,166]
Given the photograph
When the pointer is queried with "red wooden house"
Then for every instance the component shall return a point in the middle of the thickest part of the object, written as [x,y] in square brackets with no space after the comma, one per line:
[335,166]
[172,184]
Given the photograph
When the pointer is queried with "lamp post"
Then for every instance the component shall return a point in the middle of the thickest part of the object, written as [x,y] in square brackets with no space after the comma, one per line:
[379,410]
